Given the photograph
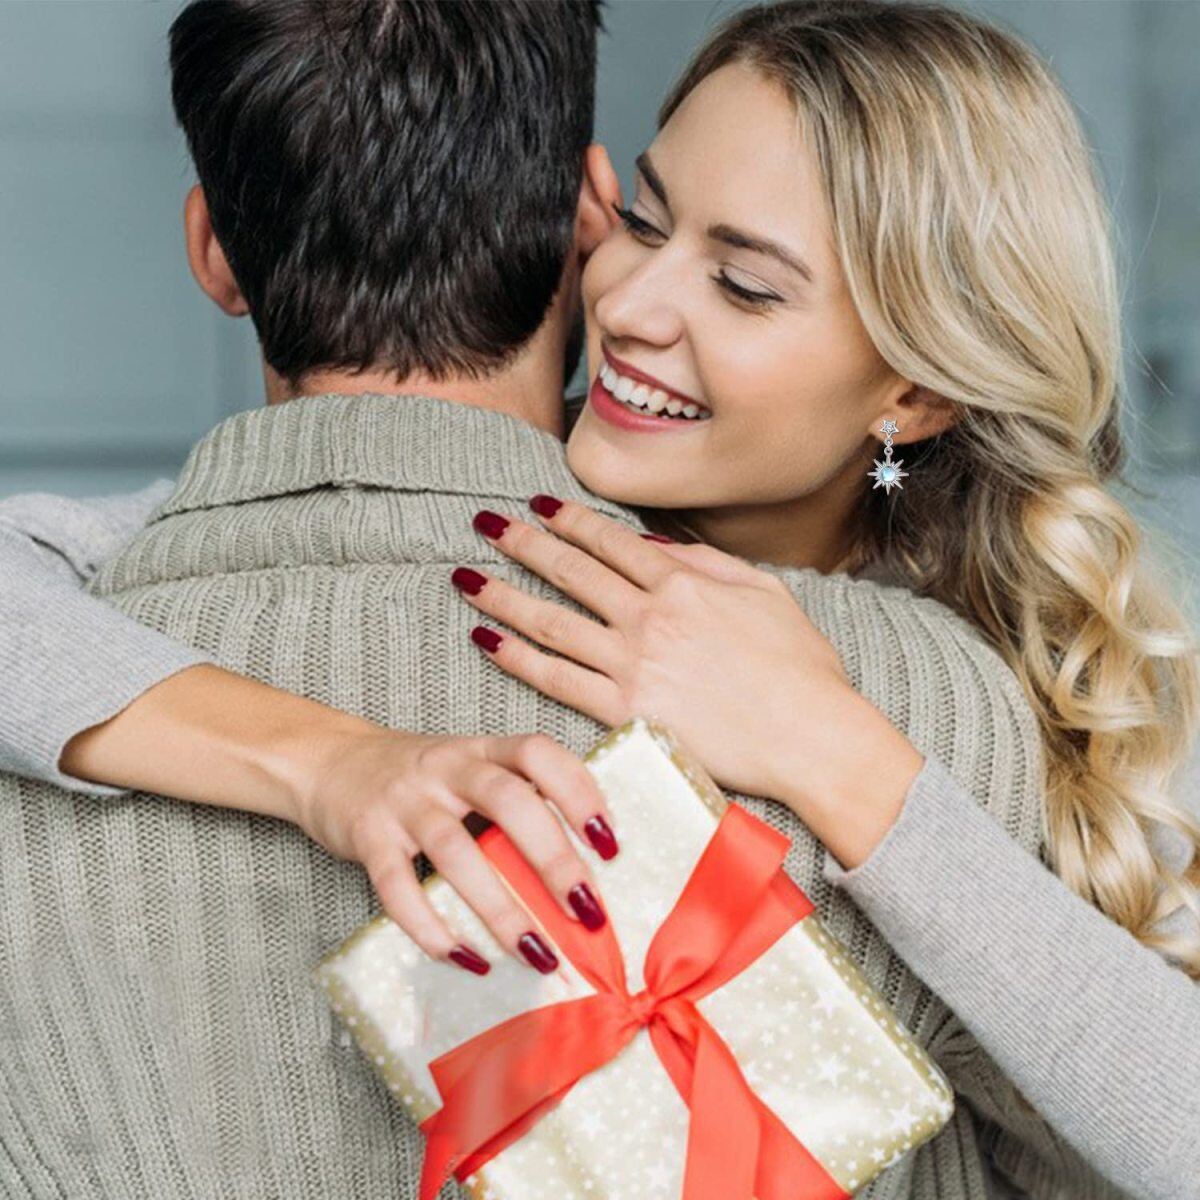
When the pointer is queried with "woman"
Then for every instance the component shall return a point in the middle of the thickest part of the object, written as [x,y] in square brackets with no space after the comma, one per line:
[946,272]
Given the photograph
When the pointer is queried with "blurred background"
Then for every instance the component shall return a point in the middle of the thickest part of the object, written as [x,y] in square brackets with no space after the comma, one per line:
[114,363]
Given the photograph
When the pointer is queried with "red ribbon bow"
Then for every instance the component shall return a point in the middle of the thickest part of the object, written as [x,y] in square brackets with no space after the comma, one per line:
[736,903]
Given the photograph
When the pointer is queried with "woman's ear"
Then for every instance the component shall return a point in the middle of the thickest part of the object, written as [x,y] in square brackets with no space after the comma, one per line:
[598,192]
[206,258]
[919,412]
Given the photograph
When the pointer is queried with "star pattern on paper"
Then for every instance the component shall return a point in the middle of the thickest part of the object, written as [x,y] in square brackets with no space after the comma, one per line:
[827,1001]
[831,1069]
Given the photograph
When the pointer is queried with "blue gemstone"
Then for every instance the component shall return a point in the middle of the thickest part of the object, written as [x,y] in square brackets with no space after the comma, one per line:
[887,473]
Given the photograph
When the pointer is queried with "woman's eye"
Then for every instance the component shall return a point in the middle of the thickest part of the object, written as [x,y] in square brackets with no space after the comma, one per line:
[760,300]
[635,224]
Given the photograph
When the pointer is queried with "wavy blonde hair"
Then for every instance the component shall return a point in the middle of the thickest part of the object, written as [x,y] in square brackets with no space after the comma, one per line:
[977,246]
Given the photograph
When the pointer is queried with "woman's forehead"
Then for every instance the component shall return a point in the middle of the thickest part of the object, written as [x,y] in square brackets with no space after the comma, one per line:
[734,151]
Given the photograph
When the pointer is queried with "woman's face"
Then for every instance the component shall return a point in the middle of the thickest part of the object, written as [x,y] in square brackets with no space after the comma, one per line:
[787,382]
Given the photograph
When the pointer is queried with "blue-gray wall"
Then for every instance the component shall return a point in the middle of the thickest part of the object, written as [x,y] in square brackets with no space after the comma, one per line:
[113,362]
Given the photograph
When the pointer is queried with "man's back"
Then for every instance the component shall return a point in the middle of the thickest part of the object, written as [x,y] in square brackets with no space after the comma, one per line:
[166,1038]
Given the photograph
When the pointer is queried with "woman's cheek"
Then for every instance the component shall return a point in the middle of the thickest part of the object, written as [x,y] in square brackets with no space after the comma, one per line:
[603,268]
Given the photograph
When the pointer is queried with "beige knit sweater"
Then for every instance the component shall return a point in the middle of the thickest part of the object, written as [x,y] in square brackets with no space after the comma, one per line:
[162,1036]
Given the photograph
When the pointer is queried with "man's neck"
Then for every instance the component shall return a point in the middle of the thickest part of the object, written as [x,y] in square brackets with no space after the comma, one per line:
[531,390]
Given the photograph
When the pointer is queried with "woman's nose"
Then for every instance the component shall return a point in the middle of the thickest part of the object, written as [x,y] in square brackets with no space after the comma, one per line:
[645,306]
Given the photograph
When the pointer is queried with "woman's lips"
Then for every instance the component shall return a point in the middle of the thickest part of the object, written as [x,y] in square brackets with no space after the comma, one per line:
[631,372]
[615,413]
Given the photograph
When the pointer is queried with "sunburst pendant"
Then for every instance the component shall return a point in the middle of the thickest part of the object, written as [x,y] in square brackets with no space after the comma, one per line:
[888,474]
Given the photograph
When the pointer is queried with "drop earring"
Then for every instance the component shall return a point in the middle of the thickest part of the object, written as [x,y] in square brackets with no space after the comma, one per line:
[887,472]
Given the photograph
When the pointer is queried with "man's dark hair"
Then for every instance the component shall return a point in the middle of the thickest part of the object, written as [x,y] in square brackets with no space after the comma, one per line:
[393,182]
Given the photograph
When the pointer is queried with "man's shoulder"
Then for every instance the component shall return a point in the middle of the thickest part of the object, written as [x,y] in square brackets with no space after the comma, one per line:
[877,607]
[932,670]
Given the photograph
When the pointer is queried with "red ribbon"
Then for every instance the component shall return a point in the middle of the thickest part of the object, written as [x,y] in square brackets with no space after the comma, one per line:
[736,903]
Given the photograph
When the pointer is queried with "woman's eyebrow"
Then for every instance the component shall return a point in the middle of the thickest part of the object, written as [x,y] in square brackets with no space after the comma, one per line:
[748,241]
[726,233]
[651,176]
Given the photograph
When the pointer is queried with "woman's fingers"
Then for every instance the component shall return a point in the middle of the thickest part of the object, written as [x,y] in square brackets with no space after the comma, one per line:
[588,692]
[456,857]
[616,545]
[513,803]
[562,778]
[386,852]
[574,572]
[716,564]
[545,622]
[500,778]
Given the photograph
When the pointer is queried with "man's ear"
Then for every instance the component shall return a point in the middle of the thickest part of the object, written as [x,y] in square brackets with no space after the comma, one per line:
[206,258]
[598,192]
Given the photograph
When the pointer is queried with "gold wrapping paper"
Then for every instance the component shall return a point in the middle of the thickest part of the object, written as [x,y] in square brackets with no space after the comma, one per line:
[814,1039]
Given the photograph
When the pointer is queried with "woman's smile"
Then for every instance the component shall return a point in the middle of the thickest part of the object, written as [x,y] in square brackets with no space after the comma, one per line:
[627,397]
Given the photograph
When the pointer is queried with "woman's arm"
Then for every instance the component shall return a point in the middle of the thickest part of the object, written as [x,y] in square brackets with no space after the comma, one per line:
[1098,1031]
[68,661]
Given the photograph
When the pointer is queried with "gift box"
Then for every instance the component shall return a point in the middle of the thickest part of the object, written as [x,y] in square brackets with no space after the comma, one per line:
[711,1040]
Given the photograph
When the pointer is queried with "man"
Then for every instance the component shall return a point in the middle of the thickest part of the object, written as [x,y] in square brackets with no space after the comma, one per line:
[371,195]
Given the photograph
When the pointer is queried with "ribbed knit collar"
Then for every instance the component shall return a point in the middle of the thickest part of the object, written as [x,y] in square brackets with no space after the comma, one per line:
[404,443]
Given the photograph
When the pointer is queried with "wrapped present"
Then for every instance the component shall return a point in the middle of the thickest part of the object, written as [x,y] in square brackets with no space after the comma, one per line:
[712,1041]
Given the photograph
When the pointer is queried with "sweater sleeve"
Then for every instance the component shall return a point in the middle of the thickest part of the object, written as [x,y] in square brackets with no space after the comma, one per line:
[69,660]
[1099,1032]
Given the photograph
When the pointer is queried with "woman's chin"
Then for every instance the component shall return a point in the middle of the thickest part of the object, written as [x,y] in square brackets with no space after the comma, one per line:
[609,473]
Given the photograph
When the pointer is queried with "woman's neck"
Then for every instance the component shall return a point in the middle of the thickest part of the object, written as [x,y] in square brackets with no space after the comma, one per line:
[819,530]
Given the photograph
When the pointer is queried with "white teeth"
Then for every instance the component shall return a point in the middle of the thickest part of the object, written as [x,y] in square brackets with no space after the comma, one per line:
[641,395]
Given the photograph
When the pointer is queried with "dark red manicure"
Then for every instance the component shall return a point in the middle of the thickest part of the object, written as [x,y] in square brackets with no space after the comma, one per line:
[537,952]
[490,524]
[468,581]
[468,959]
[489,639]
[657,537]
[586,907]
[545,506]
[601,836]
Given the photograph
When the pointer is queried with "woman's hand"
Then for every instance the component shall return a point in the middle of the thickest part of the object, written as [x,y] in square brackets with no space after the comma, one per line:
[382,796]
[365,793]
[714,647]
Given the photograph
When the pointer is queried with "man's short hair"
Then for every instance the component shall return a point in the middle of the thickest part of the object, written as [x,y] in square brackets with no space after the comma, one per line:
[394,182]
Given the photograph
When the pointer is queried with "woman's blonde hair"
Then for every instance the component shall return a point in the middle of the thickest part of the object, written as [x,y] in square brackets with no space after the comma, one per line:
[977,246]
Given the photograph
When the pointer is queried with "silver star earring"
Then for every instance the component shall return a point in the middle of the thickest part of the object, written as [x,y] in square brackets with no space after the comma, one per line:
[887,472]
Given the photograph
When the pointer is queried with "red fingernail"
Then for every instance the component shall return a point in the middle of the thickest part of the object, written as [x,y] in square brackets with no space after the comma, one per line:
[537,952]
[468,581]
[490,524]
[469,960]
[545,506]
[600,836]
[656,537]
[489,639]
[586,907]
